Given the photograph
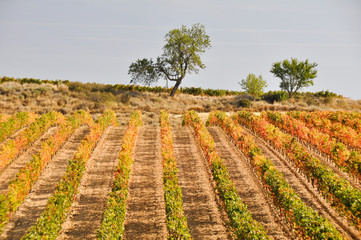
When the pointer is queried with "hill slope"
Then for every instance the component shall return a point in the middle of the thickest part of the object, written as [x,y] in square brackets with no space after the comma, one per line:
[43,95]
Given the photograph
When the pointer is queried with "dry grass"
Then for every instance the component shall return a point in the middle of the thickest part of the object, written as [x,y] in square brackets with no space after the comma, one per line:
[37,98]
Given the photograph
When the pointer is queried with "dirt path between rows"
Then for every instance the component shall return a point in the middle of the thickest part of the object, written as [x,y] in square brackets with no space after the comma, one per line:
[17,132]
[12,169]
[248,186]
[43,189]
[145,217]
[86,213]
[305,190]
[205,219]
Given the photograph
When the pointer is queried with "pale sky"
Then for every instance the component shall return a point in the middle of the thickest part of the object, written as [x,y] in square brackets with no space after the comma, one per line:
[97,40]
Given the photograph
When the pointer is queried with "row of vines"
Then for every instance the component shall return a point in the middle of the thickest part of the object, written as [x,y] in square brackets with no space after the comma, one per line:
[347,159]
[306,222]
[21,185]
[339,192]
[243,225]
[280,130]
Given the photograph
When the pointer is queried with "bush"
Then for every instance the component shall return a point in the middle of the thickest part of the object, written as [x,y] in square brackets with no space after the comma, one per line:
[125,98]
[275,96]
[216,92]
[325,94]
[245,103]
[192,90]
[7,79]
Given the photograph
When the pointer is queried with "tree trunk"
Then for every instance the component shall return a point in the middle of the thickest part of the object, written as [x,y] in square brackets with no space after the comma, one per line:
[290,94]
[175,87]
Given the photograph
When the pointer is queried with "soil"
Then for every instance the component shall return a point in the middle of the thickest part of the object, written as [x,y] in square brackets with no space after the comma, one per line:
[145,217]
[12,169]
[248,186]
[86,213]
[43,189]
[17,132]
[304,189]
[205,219]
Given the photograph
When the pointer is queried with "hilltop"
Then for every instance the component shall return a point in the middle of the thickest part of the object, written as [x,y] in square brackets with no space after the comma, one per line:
[28,94]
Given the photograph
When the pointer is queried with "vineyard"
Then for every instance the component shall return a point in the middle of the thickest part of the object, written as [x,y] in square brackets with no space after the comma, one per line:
[269,175]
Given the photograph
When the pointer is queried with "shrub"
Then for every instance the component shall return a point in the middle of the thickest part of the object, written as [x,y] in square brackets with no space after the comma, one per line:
[325,94]
[245,103]
[125,98]
[275,96]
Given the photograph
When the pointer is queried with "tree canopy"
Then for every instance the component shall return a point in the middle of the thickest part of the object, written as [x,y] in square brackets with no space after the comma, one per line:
[294,74]
[253,85]
[181,55]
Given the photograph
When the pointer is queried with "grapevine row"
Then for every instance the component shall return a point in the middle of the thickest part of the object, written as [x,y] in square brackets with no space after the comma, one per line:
[243,225]
[113,222]
[49,224]
[176,220]
[338,191]
[304,219]
[21,185]
[342,133]
[349,161]
[3,117]
[12,124]
[13,147]
[350,119]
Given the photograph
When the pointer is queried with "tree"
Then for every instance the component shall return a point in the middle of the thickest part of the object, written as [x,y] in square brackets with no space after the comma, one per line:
[181,55]
[253,85]
[294,74]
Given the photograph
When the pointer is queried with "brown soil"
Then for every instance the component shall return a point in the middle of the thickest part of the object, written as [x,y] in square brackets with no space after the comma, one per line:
[145,217]
[204,217]
[175,120]
[148,118]
[12,169]
[17,132]
[248,186]
[86,213]
[305,190]
[123,118]
[42,190]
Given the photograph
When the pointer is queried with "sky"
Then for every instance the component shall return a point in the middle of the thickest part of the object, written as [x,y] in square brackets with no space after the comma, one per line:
[97,40]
